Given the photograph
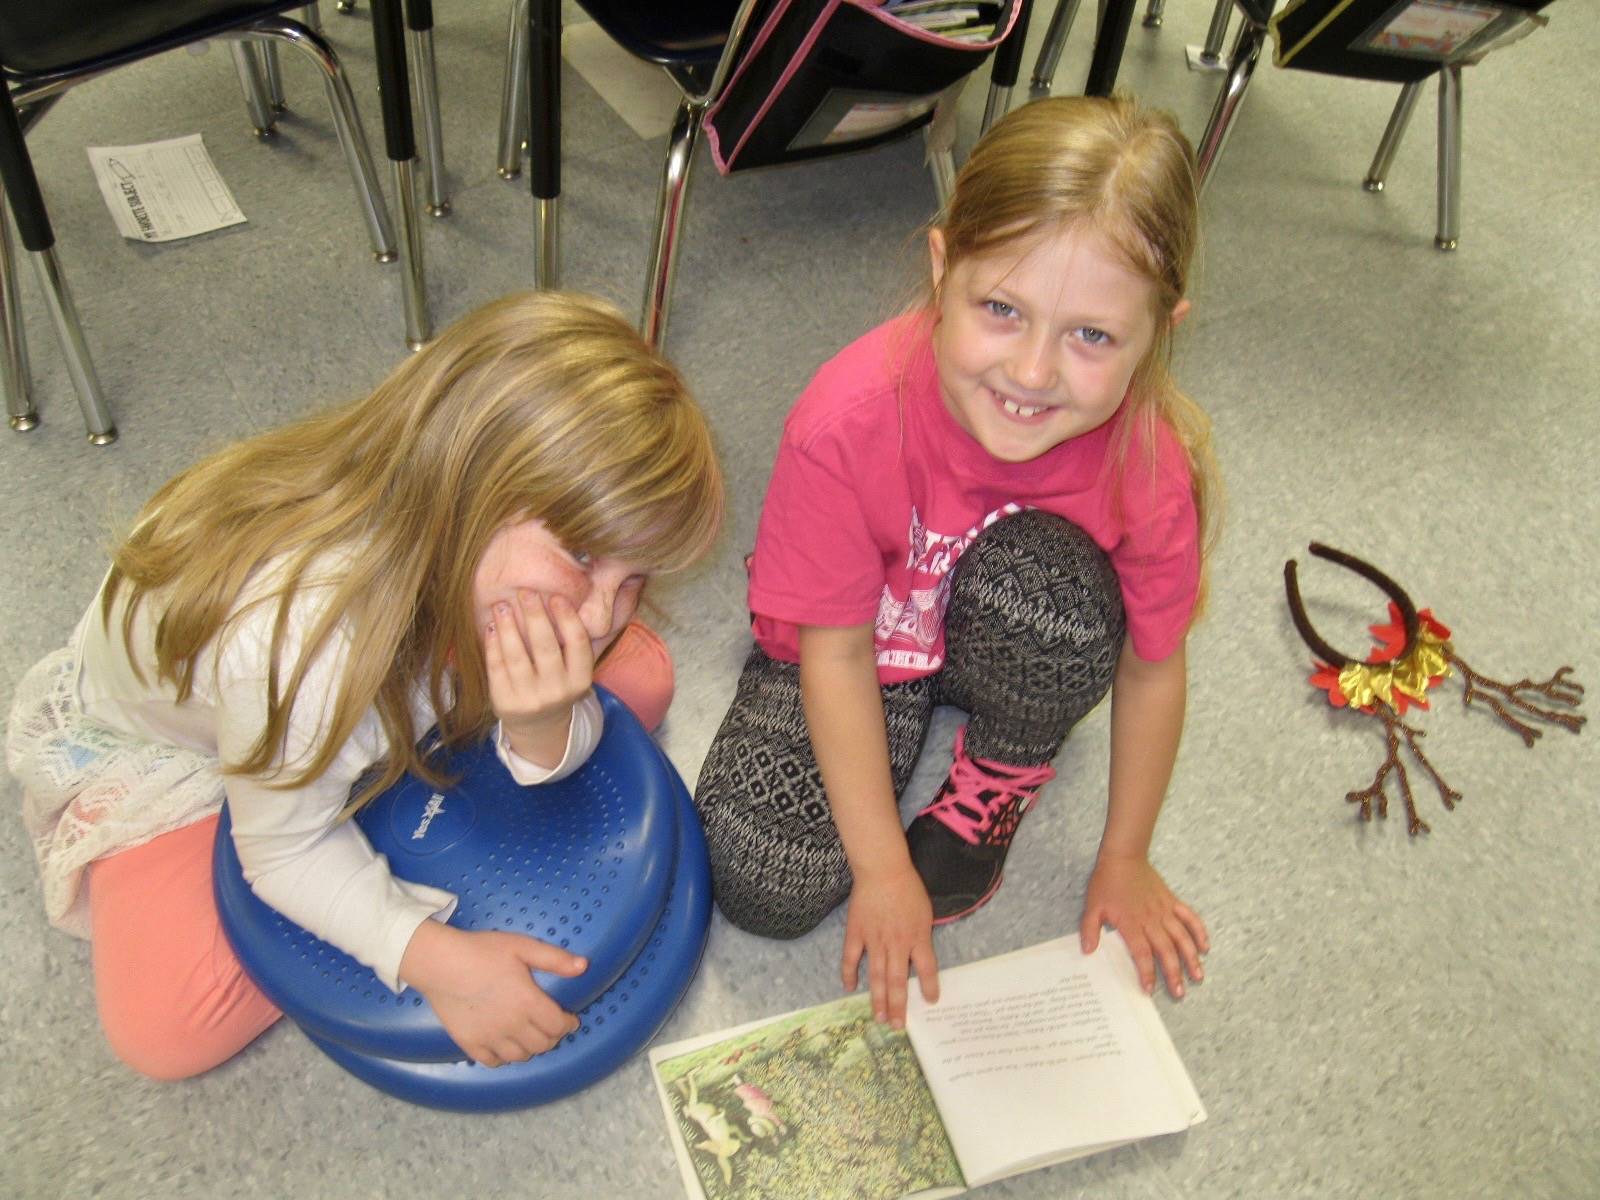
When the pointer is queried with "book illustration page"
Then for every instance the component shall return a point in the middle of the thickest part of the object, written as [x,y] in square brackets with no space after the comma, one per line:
[823,1103]
[1036,1055]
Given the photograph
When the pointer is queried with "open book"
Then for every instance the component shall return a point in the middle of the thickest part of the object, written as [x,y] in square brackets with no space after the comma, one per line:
[1028,1059]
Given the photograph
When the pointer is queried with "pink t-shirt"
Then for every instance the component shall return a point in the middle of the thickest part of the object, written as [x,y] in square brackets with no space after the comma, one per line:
[877,492]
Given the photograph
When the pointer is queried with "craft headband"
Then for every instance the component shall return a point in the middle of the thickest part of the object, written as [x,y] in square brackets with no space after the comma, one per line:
[1414,654]
[1297,609]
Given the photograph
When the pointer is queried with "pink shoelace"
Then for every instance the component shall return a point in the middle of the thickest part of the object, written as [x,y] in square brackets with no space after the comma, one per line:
[984,801]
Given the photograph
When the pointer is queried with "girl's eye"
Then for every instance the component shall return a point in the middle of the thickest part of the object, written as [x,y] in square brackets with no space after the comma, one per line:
[582,557]
[999,308]
[1093,336]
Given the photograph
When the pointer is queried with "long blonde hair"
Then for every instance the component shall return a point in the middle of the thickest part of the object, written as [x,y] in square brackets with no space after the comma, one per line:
[536,405]
[1126,173]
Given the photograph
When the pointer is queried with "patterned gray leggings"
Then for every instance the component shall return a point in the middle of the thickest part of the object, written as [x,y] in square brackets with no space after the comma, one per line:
[1032,635]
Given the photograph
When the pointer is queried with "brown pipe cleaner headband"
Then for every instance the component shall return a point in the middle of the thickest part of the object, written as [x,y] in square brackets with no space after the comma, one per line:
[1414,654]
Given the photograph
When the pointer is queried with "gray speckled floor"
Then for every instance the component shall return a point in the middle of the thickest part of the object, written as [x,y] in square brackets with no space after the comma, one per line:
[1382,1016]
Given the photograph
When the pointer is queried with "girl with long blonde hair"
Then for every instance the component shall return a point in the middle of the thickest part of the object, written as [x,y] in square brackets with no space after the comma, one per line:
[999,501]
[289,617]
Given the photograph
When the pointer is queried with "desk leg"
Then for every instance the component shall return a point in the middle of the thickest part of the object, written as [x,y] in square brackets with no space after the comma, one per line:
[1007,64]
[544,137]
[388,38]
[1108,45]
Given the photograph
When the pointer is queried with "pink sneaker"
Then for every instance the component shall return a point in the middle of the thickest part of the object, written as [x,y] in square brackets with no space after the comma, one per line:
[959,842]
[638,669]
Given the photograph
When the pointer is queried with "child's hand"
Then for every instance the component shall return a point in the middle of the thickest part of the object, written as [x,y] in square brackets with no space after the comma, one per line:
[1129,895]
[480,985]
[540,663]
[890,921]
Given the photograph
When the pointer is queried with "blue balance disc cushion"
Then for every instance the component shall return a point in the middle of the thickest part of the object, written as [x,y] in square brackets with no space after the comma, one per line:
[614,1027]
[584,863]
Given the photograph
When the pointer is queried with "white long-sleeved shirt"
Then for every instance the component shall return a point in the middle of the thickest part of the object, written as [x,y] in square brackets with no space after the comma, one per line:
[297,856]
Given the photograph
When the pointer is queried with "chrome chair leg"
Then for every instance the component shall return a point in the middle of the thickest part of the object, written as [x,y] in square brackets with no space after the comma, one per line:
[1152,14]
[346,6]
[674,192]
[413,283]
[39,240]
[939,144]
[1241,66]
[69,332]
[425,79]
[1055,37]
[311,17]
[942,163]
[15,378]
[394,89]
[1449,158]
[546,242]
[254,86]
[273,76]
[996,106]
[1392,133]
[1209,56]
[514,94]
[346,123]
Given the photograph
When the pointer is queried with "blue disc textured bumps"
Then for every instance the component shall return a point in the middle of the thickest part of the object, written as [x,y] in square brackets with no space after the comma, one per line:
[614,1027]
[584,863]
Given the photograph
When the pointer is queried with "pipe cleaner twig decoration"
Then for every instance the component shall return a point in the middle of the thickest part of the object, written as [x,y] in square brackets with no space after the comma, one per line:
[1414,653]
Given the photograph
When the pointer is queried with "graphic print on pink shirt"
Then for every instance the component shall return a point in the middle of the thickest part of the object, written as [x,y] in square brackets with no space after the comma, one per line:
[909,630]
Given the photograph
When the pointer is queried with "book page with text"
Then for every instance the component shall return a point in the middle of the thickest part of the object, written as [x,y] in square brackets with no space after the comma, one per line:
[1043,1055]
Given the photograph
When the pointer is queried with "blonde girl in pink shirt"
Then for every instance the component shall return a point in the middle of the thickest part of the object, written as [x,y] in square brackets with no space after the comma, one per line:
[999,501]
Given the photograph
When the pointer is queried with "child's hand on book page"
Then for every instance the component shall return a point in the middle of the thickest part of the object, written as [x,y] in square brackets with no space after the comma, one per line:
[1129,895]
[890,920]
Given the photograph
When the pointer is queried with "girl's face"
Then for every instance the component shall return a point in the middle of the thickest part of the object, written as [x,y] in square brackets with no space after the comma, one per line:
[1036,343]
[527,557]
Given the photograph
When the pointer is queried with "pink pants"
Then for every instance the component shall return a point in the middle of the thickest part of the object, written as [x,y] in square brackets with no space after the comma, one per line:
[173,999]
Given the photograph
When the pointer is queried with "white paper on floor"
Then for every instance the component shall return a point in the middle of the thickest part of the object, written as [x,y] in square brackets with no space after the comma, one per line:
[162,191]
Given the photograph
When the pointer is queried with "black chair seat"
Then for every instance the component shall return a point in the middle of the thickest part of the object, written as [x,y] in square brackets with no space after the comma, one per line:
[41,40]
[683,33]
[1331,39]
[1259,11]
[697,42]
